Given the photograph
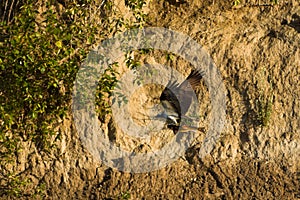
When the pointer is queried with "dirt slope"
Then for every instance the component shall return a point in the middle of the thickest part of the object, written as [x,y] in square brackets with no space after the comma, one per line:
[256,49]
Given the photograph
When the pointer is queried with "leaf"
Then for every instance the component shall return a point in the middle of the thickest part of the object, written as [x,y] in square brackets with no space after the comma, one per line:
[58,44]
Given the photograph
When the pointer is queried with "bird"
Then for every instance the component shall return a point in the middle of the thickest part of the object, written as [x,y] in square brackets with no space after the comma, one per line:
[176,100]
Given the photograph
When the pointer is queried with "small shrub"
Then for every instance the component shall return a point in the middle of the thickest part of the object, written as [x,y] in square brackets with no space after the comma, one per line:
[40,55]
[263,104]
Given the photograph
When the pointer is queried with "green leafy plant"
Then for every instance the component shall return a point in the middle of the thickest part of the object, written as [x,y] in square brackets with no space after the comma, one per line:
[41,52]
[109,80]
[274,1]
[39,60]
[139,17]
[263,104]
[104,91]
[124,195]
[236,2]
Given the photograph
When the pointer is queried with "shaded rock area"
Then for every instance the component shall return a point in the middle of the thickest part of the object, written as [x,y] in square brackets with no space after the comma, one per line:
[255,45]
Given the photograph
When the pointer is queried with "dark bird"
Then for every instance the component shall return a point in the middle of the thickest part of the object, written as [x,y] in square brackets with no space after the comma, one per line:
[176,100]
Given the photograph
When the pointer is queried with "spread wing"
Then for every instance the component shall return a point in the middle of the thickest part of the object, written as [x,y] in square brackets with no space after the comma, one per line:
[169,99]
[186,90]
[178,98]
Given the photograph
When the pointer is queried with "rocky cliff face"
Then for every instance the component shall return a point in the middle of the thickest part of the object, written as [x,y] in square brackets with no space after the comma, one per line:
[256,48]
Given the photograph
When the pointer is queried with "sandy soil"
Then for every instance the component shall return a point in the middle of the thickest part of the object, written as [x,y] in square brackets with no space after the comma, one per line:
[256,49]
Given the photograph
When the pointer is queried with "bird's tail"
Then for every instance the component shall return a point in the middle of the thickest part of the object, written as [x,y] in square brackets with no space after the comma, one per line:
[186,128]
